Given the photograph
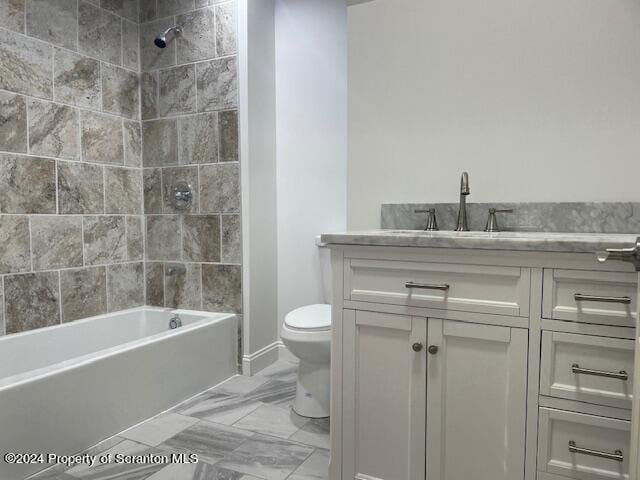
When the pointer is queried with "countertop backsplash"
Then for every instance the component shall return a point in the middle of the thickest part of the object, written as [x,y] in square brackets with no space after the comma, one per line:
[577,217]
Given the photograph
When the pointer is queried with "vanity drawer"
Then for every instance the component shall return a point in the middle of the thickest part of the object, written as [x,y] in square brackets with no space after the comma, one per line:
[606,298]
[469,288]
[586,368]
[583,446]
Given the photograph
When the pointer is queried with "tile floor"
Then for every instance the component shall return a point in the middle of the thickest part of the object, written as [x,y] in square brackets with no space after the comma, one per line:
[243,429]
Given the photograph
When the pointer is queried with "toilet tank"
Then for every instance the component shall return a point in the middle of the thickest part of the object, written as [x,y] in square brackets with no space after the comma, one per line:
[325,269]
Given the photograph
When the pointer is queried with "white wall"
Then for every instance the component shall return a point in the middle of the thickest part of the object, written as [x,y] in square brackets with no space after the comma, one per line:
[256,42]
[311,67]
[538,99]
[292,81]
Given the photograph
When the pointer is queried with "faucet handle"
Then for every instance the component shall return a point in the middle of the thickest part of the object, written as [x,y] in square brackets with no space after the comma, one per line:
[432,223]
[492,221]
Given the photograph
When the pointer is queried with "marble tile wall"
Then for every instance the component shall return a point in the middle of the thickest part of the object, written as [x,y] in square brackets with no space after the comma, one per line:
[573,217]
[189,99]
[71,184]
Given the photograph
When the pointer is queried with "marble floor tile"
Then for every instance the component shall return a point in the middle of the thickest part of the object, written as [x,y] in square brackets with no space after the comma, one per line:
[315,432]
[267,457]
[240,385]
[220,408]
[191,401]
[316,467]
[211,442]
[199,471]
[159,429]
[282,370]
[57,472]
[119,471]
[275,392]
[51,475]
[103,446]
[273,420]
[242,429]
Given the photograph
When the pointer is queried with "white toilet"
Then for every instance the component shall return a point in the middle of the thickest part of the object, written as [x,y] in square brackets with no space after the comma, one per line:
[306,332]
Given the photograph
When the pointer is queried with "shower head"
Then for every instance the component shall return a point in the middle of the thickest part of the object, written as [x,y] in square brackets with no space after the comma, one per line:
[161,40]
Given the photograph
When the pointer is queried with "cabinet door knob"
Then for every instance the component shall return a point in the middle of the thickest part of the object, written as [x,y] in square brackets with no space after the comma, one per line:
[433,349]
[417,347]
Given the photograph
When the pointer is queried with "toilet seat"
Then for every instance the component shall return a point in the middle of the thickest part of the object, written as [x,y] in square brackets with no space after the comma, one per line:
[309,318]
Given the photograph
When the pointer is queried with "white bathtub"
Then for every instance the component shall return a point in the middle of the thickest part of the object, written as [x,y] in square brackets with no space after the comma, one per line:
[67,387]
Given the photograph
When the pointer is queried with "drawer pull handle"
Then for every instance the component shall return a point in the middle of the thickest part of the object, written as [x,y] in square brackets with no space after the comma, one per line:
[621,375]
[427,286]
[596,298]
[617,456]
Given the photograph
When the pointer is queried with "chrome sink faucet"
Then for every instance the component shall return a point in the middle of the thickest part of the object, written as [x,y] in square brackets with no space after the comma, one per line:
[462,225]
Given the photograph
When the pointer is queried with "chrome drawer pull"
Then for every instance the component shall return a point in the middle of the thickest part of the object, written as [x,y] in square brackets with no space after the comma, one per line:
[617,456]
[427,286]
[621,375]
[596,298]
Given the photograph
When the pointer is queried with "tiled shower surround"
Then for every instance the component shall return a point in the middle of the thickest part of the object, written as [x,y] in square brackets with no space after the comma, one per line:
[190,134]
[87,158]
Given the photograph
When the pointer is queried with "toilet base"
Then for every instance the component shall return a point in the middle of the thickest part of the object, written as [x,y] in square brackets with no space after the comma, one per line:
[312,390]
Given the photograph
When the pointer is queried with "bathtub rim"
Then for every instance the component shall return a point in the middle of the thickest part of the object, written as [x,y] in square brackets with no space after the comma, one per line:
[39,373]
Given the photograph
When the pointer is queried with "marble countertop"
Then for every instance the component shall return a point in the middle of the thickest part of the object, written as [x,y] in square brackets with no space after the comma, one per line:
[519,241]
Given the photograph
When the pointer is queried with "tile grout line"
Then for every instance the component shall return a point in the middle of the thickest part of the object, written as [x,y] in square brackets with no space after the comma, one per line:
[53,71]
[164,289]
[60,296]
[104,191]
[30,244]
[55,46]
[180,116]
[68,269]
[79,108]
[124,143]
[69,160]
[187,11]
[84,258]
[77,34]
[4,307]
[164,68]
[27,127]
[56,187]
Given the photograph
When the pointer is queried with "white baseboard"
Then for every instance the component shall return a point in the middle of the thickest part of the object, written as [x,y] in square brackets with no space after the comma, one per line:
[253,363]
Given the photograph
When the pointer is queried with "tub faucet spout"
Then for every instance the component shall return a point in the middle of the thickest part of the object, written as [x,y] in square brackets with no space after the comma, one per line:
[462,225]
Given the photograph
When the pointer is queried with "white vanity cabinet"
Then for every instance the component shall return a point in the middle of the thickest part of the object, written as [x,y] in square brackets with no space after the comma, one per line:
[476,401]
[384,396]
[485,365]
[465,398]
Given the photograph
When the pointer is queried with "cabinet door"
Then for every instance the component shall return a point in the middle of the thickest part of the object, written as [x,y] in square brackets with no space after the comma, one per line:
[476,401]
[384,392]
[635,423]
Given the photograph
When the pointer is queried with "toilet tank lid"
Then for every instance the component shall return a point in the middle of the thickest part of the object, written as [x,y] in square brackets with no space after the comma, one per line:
[309,317]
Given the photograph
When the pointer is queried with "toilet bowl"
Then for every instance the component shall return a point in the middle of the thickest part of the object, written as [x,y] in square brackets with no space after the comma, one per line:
[306,332]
